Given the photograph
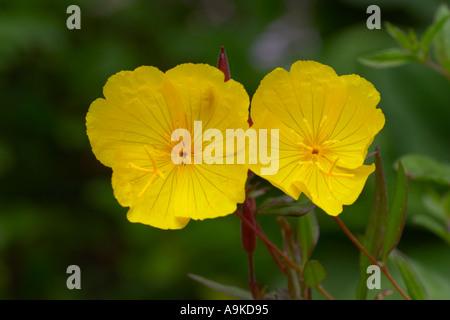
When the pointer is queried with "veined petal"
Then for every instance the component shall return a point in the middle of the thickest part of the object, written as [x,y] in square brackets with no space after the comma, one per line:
[358,122]
[332,119]
[209,191]
[289,155]
[330,192]
[140,108]
[156,207]
[134,167]
[207,98]
[304,98]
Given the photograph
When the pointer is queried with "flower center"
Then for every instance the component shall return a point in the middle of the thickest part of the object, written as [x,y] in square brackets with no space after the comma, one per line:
[315,151]
[182,154]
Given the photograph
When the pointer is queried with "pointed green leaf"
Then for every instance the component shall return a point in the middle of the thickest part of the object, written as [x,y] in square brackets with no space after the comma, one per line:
[308,235]
[375,230]
[387,58]
[400,37]
[290,209]
[430,34]
[397,214]
[441,44]
[314,273]
[414,286]
[424,167]
[227,289]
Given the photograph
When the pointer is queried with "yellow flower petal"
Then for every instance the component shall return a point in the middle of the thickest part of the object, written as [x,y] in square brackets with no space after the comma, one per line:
[359,121]
[140,107]
[289,157]
[209,191]
[301,98]
[133,169]
[130,131]
[207,98]
[156,207]
[330,193]
[326,125]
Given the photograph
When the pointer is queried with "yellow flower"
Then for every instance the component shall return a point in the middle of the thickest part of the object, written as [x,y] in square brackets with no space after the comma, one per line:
[326,123]
[131,132]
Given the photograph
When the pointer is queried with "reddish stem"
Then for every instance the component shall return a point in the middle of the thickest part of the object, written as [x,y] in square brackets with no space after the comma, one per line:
[222,63]
[383,268]
[273,250]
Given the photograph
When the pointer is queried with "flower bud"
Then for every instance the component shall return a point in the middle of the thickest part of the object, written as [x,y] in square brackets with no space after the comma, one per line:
[222,63]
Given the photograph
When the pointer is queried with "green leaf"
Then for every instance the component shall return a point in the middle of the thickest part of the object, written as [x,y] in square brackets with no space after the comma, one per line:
[374,235]
[414,286]
[434,226]
[441,43]
[314,273]
[387,58]
[401,37]
[227,289]
[308,235]
[435,206]
[446,204]
[424,167]
[431,33]
[397,214]
[290,209]
[446,64]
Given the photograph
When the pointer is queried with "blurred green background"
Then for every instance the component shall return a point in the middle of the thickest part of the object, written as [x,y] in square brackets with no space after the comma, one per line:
[56,202]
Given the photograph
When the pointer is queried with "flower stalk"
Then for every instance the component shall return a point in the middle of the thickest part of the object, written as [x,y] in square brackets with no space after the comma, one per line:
[383,268]
[249,243]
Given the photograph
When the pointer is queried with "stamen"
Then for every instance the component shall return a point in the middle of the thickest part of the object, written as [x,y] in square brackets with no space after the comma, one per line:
[330,173]
[132,165]
[317,163]
[322,121]
[304,145]
[155,167]
[150,181]
[329,142]
[332,167]
[155,172]
[159,152]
